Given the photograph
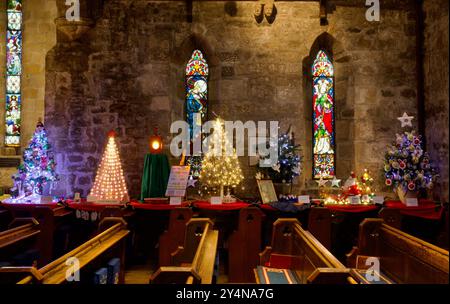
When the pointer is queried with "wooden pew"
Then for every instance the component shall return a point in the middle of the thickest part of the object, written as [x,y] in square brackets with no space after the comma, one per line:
[391,217]
[24,237]
[298,250]
[173,237]
[112,236]
[28,229]
[319,224]
[194,261]
[5,218]
[245,245]
[50,221]
[403,258]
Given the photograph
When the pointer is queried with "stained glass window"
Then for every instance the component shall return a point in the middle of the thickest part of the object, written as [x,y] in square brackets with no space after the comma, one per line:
[13,72]
[323,117]
[196,100]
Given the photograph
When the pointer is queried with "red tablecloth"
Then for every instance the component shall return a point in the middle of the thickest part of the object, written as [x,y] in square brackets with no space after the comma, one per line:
[141,206]
[267,207]
[352,208]
[92,206]
[29,205]
[225,206]
[426,209]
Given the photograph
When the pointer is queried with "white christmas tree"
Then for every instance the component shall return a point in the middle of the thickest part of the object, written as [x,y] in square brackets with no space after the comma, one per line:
[109,182]
[220,170]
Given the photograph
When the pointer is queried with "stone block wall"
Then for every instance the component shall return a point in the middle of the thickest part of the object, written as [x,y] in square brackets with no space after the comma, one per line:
[127,73]
[436,89]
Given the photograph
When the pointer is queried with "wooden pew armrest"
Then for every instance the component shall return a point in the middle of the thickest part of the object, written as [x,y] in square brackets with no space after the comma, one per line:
[351,257]
[264,257]
[177,257]
[30,272]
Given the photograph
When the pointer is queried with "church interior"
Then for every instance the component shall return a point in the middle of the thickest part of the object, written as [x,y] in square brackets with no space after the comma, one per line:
[222,142]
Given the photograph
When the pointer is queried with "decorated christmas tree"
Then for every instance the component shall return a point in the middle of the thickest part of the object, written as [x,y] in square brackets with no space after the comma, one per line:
[288,164]
[37,172]
[109,184]
[220,168]
[407,167]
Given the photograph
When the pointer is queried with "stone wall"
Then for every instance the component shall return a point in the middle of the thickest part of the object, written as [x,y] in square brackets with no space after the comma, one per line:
[436,89]
[39,36]
[127,73]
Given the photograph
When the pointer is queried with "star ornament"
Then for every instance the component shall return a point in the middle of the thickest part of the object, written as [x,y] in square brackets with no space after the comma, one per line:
[406,120]
[335,182]
[191,182]
[321,182]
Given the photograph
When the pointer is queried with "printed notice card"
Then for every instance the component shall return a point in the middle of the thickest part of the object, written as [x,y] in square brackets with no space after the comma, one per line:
[178,181]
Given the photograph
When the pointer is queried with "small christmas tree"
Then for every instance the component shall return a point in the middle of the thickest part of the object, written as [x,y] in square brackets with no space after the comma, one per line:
[38,168]
[220,170]
[407,167]
[288,165]
[109,182]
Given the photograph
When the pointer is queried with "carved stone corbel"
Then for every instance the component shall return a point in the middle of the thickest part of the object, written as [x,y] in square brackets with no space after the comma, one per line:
[73,30]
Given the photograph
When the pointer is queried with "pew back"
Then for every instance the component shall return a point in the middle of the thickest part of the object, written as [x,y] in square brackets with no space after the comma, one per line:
[194,261]
[300,251]
[245,246]
[172,238]
[28,229]
[403,257]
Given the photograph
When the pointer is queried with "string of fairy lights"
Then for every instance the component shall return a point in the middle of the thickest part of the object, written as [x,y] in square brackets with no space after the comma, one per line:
[109,182]
[218,169]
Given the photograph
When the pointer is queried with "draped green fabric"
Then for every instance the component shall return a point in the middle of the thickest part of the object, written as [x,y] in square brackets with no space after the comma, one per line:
[155,176]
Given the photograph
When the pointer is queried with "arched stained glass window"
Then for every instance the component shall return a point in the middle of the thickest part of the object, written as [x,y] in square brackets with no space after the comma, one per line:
[196,101]
[323,117]
[13,72]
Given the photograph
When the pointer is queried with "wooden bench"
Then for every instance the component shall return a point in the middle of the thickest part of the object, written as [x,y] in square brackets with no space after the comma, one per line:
[298,250]
[22,243]
[112,237]
[29,228]
[5,218]
[173,237]
[194,261]
[402,257]
[244,246]
[51,222]
[319,224]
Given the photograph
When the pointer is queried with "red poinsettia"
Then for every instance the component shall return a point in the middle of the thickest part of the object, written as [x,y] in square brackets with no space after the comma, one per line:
[411,186]
[388,182]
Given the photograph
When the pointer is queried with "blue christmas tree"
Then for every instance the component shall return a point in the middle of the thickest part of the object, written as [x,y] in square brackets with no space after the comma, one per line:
[288,165]
[38,167]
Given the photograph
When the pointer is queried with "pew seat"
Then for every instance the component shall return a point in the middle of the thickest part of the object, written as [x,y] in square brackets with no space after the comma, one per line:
[295,249]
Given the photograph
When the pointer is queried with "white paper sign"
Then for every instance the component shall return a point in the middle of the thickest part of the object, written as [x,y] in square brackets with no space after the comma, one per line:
[91,198]
[46,199]
[216,200]
[412,202]
[303,199]
[178,179]
[378,199]
[355,200]
[175,200]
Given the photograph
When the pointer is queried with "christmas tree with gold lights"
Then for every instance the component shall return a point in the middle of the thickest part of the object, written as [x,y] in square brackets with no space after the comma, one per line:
[220,166]
[109,184]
